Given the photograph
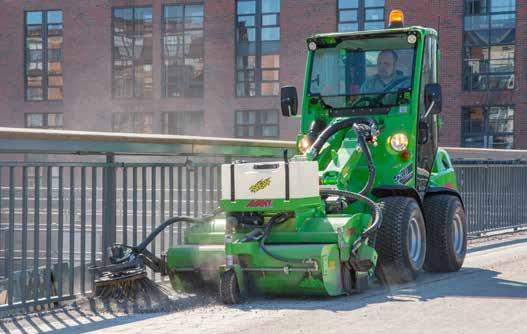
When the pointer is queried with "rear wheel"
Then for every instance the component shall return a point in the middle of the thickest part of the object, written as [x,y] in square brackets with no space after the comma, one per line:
[400,241]
[446,233]
[229,289]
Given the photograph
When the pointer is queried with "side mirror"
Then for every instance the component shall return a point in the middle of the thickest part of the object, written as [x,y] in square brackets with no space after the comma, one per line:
[289,101]
[433,95]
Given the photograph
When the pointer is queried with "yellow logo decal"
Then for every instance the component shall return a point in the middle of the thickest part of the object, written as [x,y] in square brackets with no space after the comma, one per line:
[262,184]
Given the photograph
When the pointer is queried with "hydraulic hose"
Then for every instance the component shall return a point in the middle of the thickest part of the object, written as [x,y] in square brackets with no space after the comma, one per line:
[282,217]
[275,220]
[359,131]
[170,221]
[162,227]
[127,254]
[362,128]
[374,207]
[125,257]
[314,150]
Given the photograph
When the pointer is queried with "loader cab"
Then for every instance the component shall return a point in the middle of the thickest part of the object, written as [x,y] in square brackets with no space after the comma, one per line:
[390,76]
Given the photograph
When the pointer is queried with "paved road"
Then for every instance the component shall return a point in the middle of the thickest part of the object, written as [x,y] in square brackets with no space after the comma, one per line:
[489,295]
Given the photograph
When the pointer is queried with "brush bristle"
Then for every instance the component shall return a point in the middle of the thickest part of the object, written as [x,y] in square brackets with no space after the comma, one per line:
[136,291]
[141,288]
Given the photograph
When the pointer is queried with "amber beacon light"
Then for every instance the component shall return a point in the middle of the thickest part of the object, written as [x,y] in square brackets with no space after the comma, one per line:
[396,18]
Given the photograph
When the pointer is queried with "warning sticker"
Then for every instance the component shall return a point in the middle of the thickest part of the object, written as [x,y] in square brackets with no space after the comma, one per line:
[262,184]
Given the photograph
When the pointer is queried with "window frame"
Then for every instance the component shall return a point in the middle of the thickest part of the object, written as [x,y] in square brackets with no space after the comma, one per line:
[488,74]
[45,120]
[258,53]
[164,85]
[45,74]
[132,113]
[486,133]
[112,31]
[361,16]
[258,123]
[166,114]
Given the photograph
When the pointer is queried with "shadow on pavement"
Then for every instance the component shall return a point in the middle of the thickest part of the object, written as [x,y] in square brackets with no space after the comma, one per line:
[467,283]
[494,245]
[90,315]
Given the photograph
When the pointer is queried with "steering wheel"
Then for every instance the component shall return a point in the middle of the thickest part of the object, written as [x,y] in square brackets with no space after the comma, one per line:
[362,99]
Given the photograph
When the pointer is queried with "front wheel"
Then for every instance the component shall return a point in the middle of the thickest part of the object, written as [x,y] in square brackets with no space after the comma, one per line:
[446,229]
[230,289]
[400,241]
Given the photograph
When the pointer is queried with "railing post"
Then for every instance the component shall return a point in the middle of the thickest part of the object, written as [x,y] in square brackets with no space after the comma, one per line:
[109,205]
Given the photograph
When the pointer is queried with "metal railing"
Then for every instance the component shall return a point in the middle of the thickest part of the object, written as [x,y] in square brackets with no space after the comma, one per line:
[66,196]
[60,222]
[73,194]
[494,194]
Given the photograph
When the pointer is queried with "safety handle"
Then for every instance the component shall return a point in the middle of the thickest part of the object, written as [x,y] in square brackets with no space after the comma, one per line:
[266,166]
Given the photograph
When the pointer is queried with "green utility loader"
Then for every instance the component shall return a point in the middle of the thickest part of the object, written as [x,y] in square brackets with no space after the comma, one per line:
[368,193]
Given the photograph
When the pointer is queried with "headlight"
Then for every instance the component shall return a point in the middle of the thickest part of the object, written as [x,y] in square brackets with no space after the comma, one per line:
[304,144]
[399,142]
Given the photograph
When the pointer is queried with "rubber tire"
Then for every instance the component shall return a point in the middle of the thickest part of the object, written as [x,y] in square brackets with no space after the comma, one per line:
[229,288]
[439,216]
[360,284]
[394,265]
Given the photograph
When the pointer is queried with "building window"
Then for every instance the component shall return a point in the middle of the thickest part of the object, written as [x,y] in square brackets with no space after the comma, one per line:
[488,127]
[258,47]
[489,44]
[132,122]
[256,124]
[182,123]
[43,63]
[132,52]
[45,121]
[355,15]
[183,50]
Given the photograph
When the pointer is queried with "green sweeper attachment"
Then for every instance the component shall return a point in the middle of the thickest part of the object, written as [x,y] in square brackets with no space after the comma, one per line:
[369,193]
[279,232]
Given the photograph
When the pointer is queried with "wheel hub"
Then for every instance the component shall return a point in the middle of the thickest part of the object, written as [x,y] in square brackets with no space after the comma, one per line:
[415,242]
[457,234]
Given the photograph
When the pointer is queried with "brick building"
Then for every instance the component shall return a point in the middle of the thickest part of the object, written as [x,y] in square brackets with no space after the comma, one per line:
[214,67]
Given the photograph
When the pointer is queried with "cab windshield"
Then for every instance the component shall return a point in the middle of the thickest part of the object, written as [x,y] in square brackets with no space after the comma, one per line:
[364,73]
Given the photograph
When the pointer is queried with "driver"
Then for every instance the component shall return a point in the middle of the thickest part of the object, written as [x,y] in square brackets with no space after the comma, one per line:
[387,77]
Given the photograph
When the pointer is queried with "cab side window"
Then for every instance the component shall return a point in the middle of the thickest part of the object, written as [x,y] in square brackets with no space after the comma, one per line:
[427,129]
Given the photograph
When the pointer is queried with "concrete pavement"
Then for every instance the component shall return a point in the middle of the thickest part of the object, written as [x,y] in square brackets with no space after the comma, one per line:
[489,295]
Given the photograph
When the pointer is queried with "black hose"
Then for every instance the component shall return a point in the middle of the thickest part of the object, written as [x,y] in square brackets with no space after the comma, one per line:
[359,131]
[169,222]
[282,217]
[276,220]
[160,229]
[125,257]
[375,209]
[360,126]
[334,128]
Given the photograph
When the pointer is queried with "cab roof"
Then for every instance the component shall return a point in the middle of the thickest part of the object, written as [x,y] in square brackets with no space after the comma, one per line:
[367,33]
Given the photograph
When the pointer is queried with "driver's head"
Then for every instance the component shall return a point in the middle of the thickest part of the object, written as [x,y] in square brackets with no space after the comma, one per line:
[386,64]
